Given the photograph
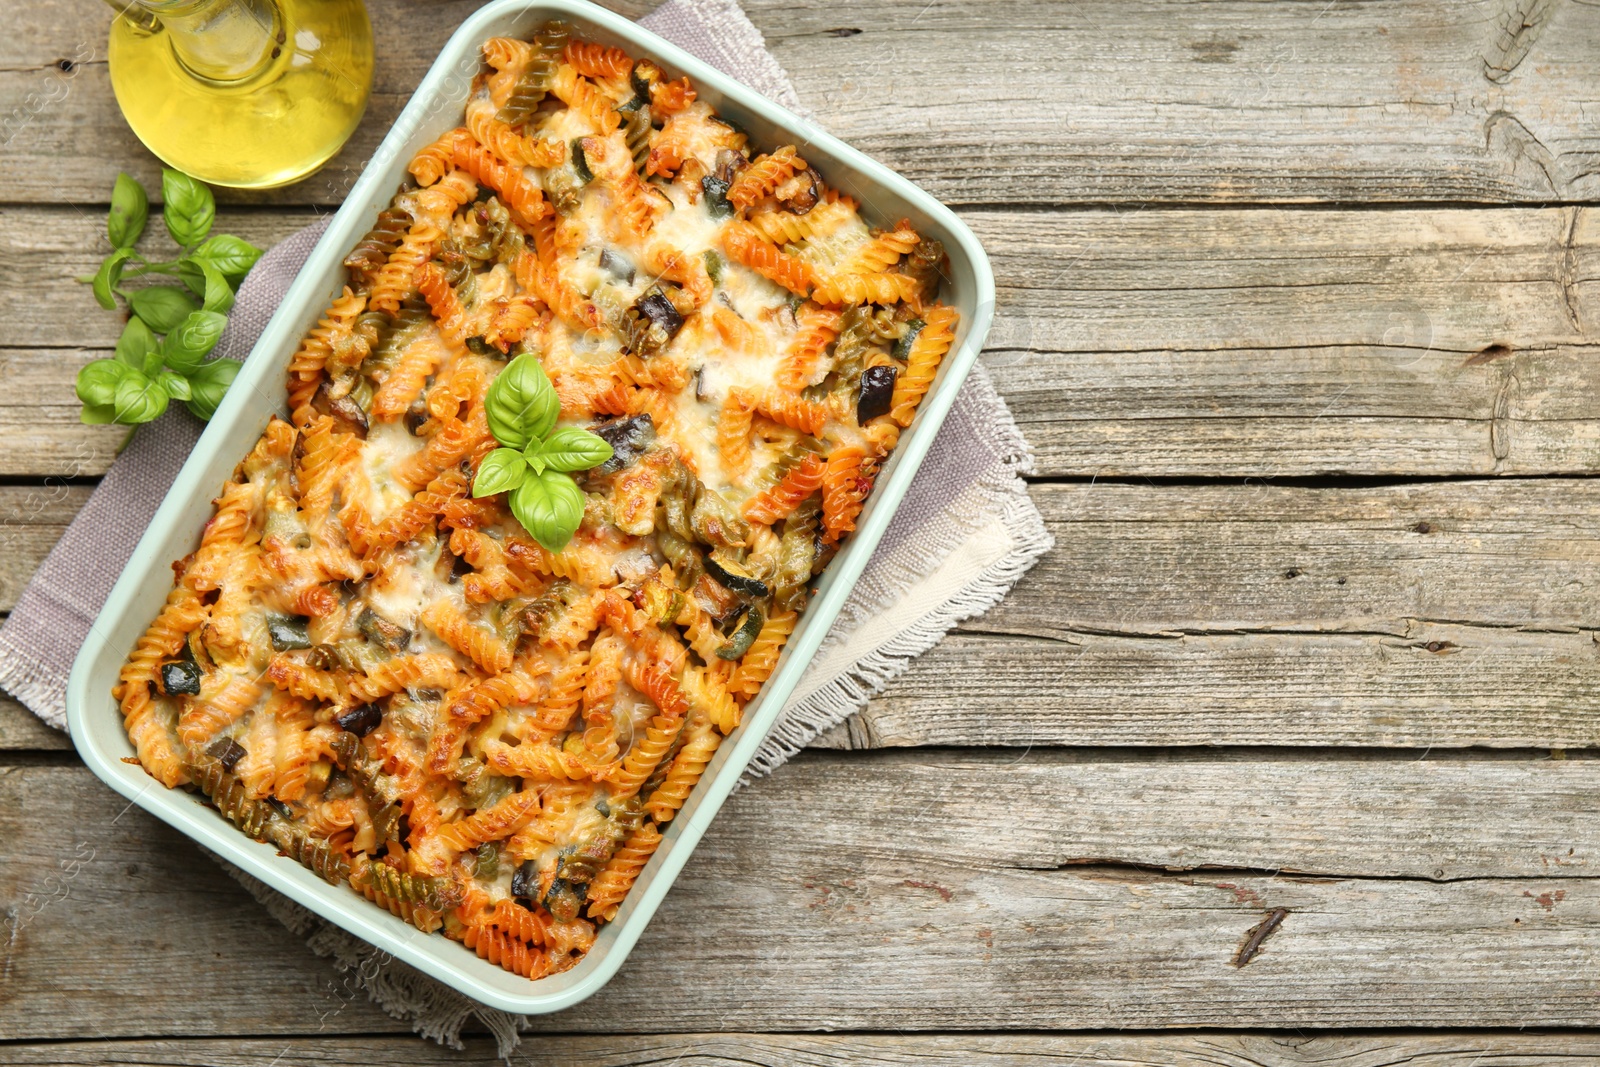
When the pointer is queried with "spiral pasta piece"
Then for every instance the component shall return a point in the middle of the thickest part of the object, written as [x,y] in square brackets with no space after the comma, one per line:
[922,363]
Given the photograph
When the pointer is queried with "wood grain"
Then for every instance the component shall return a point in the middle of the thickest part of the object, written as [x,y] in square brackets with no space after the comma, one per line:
[1268,343]
[1099,102]
[1204,1049]
[968,905]
[22,731]
[1438,686]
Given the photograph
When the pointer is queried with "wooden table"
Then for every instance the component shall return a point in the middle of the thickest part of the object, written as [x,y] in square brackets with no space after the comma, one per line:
[1296,308]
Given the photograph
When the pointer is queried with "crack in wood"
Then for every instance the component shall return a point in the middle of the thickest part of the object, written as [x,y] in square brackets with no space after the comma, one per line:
[1519,27]
[1567,270]
[1504,134]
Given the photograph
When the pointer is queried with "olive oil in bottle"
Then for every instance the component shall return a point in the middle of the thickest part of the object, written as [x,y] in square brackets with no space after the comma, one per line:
[244,93]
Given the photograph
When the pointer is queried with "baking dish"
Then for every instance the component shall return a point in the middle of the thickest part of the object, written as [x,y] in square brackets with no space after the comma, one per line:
[259,393]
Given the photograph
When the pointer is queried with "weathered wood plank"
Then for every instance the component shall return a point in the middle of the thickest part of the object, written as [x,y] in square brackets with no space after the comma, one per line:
[1136,559]
[124,891]
[1447,614]
[949,886]
[1156,343]
[1442,686]
[1280,343]
[21,730]
[1208,1049]
[32,520]
[1044,103]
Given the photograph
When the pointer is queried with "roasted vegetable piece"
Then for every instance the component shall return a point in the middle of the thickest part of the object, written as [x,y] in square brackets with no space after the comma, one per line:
[902,347]
[360,720]
[227,752]
[629,439]
[288,632]
[525,882]
[655,306]
[877,390]
[381,632]
[744,636]
[716,196]
[735,576]
[617,265]
[180,676]
[580,162]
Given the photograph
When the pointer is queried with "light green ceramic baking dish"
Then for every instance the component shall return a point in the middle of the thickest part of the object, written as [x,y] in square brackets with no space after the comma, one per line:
[259,393]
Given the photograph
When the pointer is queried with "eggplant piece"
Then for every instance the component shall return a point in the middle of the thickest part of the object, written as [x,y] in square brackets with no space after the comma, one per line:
[744,636]
[800,192]
[580,162]
[226,751]
[288,632]
[661,312]
[877,391]
[617,266]
[629,439]
[416,416]
[716,196]
[644,76]
[736,577]
[360,720]
[381,632]
[564,899]
[525,882]
[902,347]
[649,325]
[180,676]
[346,413]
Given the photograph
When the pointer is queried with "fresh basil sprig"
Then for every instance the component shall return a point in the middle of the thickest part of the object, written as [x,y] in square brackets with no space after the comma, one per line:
[533,463]
[148,371]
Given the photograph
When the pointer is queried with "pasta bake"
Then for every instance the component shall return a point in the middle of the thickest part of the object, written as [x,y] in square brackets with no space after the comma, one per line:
[481,715]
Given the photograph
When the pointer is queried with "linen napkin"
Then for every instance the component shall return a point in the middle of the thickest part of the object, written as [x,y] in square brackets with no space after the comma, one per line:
[964,534]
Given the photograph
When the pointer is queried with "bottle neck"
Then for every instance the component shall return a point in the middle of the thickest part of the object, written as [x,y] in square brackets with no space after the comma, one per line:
[219,40]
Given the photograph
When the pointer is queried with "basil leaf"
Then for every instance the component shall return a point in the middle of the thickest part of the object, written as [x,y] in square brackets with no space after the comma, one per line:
[231,255]
[190,274]
[521,404]
[208,384]
[217,294]
[135,343]
[176,385]
[574,449]
[97,382]
[500,472]
[533,460]
[187,346]
[550,507]
[162,307]
[188,207]
[138,399]
[109,276]
[97,414]
[129,209]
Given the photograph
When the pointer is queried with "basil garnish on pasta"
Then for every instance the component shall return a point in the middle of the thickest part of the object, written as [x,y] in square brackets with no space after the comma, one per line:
[532,462]
[149,371]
